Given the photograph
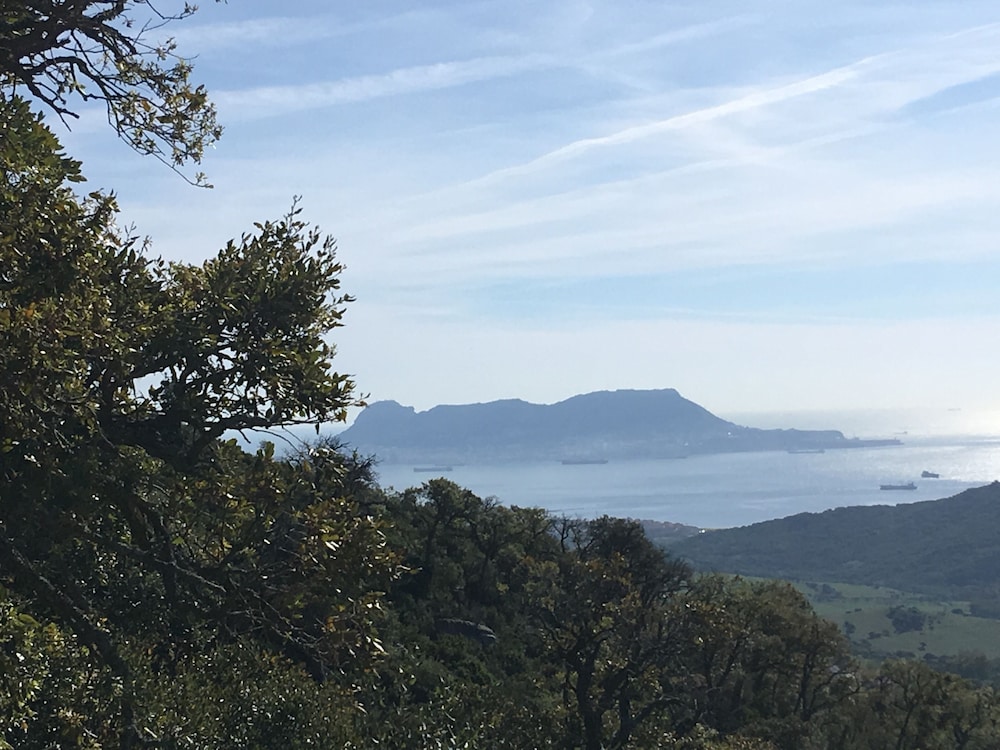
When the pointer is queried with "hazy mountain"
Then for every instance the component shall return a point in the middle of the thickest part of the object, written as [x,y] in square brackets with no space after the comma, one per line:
[602,425]
[941,546]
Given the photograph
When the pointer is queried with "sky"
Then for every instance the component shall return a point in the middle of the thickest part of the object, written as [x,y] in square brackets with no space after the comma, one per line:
[769,206]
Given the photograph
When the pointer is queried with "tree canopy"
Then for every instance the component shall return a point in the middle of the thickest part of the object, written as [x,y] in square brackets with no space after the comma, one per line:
[128,515]
[112,52]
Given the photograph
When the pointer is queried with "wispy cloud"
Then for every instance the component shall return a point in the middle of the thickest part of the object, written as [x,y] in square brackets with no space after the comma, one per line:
[274,31]
[303,28]
[743,104]
[690,33]
[549,158]
[274,100]
[761,176]
[914,75]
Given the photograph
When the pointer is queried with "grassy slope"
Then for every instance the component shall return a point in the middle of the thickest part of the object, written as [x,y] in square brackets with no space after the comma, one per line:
[948,630]
[946,552]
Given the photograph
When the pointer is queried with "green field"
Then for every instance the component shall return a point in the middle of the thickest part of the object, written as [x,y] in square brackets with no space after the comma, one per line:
[882,622]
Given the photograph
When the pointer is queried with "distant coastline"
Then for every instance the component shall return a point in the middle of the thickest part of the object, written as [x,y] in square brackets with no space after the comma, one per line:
[591,428]
[925,422]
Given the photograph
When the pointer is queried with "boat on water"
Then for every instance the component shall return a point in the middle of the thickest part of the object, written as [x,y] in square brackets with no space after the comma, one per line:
[907,486]
[929,475]
[432,469]
[582,461]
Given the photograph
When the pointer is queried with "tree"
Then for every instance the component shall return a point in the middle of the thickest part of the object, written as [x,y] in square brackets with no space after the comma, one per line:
[758,660]
[907,705]
[102,51]
[135,534]
[127,515]
[602,607]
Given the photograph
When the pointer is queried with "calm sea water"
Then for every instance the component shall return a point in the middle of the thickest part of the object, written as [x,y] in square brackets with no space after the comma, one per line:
[733,489]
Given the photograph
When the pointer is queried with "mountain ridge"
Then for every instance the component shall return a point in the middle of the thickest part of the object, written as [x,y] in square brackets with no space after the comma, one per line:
[601,425]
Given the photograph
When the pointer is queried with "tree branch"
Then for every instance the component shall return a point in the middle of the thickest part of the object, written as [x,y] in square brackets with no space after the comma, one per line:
[73,613]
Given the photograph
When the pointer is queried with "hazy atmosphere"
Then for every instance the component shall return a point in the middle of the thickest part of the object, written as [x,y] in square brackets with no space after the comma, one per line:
[570,375]
[780,206]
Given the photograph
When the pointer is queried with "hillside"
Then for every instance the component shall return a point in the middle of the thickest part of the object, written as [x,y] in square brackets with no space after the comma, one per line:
[949,546]
[611,425]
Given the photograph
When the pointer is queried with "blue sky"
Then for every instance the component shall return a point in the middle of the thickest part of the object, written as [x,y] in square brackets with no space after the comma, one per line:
[768,206]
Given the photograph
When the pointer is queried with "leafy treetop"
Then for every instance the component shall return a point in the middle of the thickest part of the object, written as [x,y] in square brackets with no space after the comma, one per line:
[102,50]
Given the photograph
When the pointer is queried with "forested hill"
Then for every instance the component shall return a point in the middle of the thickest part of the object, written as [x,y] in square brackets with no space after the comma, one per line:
[939,546]
[602,425]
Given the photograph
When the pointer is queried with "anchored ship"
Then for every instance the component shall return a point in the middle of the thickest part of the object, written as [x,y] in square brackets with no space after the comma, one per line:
[907,486]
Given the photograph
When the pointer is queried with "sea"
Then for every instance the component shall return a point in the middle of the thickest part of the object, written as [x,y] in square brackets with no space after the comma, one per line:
[739,489]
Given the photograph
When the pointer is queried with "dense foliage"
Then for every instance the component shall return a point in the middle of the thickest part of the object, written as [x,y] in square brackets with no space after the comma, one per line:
[163,587]
[126,516]
[601,640]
